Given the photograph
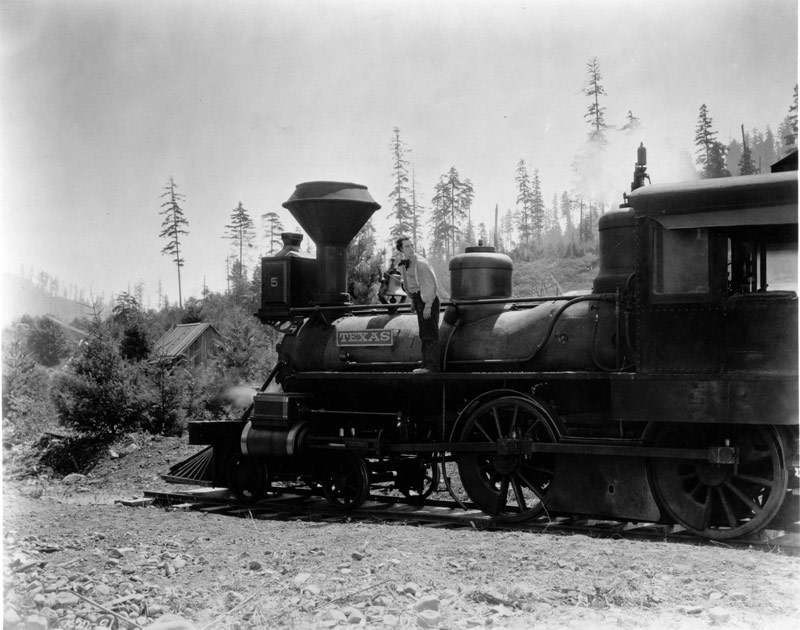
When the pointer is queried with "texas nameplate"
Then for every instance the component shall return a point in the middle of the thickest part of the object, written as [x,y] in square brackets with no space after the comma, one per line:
[346,338]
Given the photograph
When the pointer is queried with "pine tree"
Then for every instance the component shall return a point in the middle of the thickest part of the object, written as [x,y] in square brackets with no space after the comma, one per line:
[173,227]
[734,152]
[537,207]
[555,226]
[272,230]
[768,153]
[716,165]
[364,266]
[464,196]
[483,235]
[241,231]
[746,164]
[566,214]
[440,219]
[524,204]
[631,123]
[787,130]
[401,209]
[450,209]
[595,114]
[710,152]
[416,210]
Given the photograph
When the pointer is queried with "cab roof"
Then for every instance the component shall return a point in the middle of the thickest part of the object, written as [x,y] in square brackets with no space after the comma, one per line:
[768,199]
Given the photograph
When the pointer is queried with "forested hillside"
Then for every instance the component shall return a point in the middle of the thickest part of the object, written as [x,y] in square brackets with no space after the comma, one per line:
[28,296]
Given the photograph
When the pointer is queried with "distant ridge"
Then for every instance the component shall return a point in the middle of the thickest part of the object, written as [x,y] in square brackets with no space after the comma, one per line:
[21,297]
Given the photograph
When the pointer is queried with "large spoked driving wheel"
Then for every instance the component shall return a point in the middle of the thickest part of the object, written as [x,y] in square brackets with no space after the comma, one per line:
[509,487]
[247,479]
[720,501]
[345,481]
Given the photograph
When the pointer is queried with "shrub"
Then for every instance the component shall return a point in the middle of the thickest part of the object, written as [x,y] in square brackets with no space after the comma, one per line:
[46,341]
[27,407]
[165,410]
[246,350]
[134,345]
[204,393]
[97,392]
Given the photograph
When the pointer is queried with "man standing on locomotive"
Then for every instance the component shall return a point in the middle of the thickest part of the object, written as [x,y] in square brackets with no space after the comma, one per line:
[419,282]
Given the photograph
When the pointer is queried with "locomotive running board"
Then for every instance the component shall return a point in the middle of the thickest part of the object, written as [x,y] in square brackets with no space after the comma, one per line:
[716,455]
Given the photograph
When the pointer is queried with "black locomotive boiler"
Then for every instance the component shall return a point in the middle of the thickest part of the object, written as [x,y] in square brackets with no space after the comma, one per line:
[668,393]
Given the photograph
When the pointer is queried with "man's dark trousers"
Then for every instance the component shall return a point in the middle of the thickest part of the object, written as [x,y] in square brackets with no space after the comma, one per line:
[428,332]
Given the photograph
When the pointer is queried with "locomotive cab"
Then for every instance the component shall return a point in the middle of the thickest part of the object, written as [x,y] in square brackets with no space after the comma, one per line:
[722,255]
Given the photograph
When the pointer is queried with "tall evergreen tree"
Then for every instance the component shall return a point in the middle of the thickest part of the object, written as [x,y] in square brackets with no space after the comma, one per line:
[768,153]
[710,152]
[173,228]
[272,230]
[465,194]
[787,130]
[524,204]
[734,153]
[716,165]
[537,207]
[746,164]
[595,114]
[401,208]
[450,209]
[566,214]
[241,231]
[416,210]
[583,233]
[439,220]
[555,210]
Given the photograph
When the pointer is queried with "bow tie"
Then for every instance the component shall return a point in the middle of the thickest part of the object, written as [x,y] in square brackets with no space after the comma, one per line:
[404,263]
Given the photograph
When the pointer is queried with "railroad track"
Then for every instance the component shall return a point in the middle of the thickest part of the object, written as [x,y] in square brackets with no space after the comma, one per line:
[304,504]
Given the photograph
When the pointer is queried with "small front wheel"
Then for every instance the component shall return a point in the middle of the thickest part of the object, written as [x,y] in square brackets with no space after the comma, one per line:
[247,479]
[417,478]
[345,481]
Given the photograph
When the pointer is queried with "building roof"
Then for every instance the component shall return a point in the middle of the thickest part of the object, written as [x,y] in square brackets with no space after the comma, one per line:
[176,341]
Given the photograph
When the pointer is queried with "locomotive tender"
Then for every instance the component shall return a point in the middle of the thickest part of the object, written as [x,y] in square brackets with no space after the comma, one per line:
[668,393]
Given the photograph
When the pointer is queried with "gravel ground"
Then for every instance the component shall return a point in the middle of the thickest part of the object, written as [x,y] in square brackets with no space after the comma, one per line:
[73,558]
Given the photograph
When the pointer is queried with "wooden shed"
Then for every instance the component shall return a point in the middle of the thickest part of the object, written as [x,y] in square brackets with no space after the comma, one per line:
[193,344]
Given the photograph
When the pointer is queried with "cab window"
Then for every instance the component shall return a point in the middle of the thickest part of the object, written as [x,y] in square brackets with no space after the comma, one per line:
[681,261]
[761,260]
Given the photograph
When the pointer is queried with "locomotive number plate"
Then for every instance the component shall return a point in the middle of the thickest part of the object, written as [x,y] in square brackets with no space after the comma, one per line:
[345,338]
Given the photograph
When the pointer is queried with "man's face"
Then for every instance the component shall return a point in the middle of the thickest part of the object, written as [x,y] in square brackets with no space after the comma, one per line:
[408,248]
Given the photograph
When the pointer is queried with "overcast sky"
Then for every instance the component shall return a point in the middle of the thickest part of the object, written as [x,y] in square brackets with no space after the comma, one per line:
[240,101]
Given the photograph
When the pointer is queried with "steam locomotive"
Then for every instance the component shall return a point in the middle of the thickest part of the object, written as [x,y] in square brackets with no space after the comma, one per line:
[668,393]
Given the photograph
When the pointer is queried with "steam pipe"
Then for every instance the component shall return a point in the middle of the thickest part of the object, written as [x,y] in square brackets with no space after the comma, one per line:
[278,364]
[345,308]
